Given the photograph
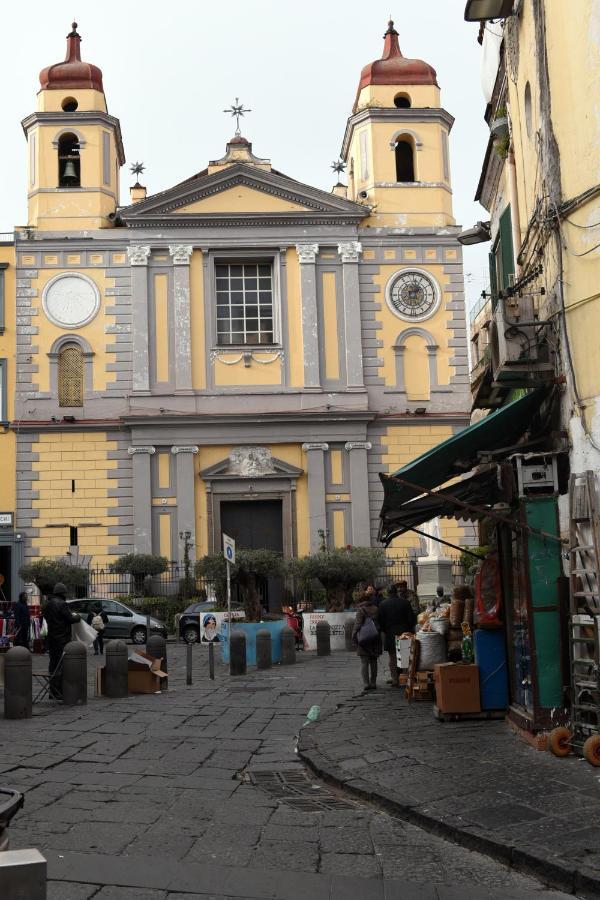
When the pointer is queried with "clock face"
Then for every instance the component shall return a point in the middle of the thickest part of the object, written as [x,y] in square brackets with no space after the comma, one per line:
[71,301]
[413,296]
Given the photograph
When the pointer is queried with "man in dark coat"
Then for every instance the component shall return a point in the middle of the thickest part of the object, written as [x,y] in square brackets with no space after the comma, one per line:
[396,616]
[59,619]
[22,621]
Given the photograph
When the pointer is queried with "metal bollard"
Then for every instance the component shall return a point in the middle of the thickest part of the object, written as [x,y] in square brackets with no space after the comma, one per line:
[17,684]
[237,653]
[348,629]
[211,661]
[116,669]
[74,679]
[323,638]
[188,664]
[288,646]
[263,649]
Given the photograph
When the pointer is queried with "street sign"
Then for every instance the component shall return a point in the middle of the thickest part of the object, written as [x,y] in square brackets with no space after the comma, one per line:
[6,519]
[229,549]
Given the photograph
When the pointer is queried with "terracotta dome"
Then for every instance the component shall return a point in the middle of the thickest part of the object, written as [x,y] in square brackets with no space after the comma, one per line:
[393,68]
[72,73]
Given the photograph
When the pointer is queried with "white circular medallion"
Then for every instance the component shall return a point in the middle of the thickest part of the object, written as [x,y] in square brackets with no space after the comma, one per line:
[413,295]
[71,300]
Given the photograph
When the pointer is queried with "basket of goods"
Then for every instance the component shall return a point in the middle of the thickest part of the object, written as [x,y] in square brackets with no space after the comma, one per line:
[468,613]
[440,622]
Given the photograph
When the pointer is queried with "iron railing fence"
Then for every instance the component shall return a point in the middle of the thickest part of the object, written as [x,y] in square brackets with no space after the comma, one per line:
[173,584]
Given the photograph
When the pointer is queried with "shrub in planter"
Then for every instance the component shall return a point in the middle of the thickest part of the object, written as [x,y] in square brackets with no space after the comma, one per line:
[163,608]
[139,566]
[45,573]
[340,571]
[250,567]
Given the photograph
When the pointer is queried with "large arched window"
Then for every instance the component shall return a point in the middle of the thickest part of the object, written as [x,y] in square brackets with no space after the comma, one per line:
[405,166]
[69,161]
[70,376]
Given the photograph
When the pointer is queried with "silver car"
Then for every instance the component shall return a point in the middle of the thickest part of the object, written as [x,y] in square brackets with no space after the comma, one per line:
[123,622]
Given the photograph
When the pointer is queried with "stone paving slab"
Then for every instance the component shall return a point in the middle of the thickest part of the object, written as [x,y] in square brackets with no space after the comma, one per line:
[476,783]
[159,796]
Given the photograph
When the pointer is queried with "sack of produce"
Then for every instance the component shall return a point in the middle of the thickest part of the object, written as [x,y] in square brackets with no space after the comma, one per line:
[432,649]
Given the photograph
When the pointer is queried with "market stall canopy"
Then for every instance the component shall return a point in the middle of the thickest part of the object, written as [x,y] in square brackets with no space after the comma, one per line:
[458,454]
[479,490]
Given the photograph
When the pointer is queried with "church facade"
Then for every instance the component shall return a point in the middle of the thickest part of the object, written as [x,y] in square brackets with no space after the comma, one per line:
[241,352]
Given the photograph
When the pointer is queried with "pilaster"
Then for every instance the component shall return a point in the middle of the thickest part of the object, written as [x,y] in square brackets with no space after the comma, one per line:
[307,253]
[138,260]
[181,254]
[315,468]
[186,509]
[142,498]
[350,251]
[359,492]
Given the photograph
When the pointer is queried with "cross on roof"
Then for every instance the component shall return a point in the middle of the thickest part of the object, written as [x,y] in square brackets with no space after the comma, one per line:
[237,111]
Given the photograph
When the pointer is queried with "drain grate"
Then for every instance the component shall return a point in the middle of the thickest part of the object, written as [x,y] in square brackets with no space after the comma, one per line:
[293,788]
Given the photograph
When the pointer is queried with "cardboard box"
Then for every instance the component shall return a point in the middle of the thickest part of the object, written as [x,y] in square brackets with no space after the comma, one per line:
[144,675]
[457,688]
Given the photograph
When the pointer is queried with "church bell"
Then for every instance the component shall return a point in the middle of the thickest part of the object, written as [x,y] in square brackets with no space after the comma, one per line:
[69,173]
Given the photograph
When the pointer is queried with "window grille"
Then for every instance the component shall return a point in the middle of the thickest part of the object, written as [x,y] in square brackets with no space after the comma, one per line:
[70,376]
[244,303]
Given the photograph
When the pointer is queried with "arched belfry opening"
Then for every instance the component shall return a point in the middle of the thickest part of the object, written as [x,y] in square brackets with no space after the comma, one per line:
[405,164]
[69,161]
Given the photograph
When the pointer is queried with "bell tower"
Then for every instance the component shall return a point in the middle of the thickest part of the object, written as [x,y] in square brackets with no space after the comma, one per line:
[396,142]
[75,148]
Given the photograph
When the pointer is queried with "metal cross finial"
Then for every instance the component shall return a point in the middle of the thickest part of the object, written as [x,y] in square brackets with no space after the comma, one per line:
[137,168]
[237,111]
[338,166]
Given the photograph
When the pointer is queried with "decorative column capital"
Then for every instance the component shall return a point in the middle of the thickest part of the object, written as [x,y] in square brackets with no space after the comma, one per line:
[133,450]
[307,252]
[138,255]
[358,445]
[307,447]
[181,254]
[349,251]
[191,448]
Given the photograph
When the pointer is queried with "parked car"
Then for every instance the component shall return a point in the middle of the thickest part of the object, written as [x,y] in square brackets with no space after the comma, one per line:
[123,622]
[189,623]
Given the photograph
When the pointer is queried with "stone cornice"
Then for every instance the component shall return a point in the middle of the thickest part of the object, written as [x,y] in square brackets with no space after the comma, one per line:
[92,117]
[410,117]
[233,220]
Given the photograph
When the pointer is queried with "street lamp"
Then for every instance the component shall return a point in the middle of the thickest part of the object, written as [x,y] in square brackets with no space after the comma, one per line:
[476,235]
[479,10]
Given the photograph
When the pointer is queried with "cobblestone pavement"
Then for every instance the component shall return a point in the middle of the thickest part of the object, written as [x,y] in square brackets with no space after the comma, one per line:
[198,792]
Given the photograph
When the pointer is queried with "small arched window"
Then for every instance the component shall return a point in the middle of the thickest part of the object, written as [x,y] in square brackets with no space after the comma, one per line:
[402,101]
[70,376]
[405,167]
[69,162]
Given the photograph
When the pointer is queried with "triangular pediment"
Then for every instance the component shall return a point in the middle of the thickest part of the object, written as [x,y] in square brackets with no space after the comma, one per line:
[239,191]
[250,462]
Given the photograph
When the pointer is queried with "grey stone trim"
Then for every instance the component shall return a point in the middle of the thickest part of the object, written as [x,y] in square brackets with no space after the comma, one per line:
[181,254]
[316,492]
[412,115]
[310,321]
[359,489]
[186,507]
[84,117]
[342,487]
[138,258]
[155,513]
[335,506]
[350,251]
[171,490]
[142,499]
[326,266]
[87,354]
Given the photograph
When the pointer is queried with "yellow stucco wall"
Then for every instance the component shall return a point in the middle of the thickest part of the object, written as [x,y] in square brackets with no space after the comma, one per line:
[93,332]
[240,199]
[8,352]
[416,355]
[87,99]
[572,44]
[421,95]
[401,444]
[82,456]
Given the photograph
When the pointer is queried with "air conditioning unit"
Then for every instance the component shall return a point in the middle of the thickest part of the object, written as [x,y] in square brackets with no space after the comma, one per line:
[513,341]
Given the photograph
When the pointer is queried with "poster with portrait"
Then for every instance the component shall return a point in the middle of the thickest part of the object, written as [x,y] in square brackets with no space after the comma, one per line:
[211,625]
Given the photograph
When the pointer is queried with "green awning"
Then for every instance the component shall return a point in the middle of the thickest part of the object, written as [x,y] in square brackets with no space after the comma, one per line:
[461,452]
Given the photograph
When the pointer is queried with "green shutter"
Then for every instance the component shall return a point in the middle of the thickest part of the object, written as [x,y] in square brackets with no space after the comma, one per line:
[506,247]
[493,278]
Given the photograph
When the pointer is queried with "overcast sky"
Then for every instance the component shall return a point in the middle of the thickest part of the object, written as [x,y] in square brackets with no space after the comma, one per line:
[171,68]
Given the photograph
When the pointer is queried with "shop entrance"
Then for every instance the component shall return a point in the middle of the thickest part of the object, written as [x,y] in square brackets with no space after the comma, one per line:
[6,565]
[257,525]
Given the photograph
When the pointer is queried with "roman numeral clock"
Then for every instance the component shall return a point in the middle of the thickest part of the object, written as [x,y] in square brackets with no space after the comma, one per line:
[413,295]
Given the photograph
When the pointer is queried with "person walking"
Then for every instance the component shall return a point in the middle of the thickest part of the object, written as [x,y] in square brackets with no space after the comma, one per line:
[396,616]
[21,611]
[366,638]
[59,619]
[98,619]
